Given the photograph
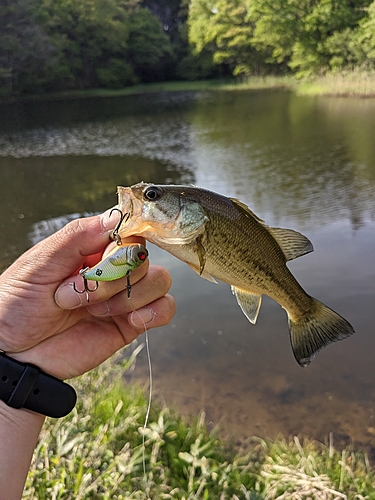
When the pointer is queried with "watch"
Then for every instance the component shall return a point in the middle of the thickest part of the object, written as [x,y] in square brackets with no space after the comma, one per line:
[23,385]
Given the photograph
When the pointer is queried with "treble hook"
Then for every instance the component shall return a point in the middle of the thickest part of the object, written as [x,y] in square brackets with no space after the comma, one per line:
[128,285]
[123,216]
[86,288]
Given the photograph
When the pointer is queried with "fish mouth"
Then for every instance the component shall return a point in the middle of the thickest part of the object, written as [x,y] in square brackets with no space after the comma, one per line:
[136,219]
[131,209]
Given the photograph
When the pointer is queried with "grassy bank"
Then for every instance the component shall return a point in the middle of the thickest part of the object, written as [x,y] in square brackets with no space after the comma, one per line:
[146,88]
[347,84]
[356,83]
[350,83]
[97,452]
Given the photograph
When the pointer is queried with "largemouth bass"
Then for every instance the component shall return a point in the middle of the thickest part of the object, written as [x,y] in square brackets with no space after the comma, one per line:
[222,238]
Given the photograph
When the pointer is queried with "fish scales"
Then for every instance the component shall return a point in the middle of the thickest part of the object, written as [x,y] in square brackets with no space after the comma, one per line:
[255,258]
[220,237]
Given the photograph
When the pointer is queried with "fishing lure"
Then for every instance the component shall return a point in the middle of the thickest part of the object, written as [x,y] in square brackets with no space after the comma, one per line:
[120,262]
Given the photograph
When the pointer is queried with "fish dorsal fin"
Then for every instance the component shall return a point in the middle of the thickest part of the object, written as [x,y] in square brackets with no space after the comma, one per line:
[245,209]
[249,303]
[292,243]
[202,274]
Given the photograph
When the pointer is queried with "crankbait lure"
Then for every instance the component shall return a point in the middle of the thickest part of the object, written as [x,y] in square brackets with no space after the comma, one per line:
[117,264]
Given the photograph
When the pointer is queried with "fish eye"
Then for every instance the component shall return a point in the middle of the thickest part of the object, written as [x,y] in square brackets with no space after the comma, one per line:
[153,193]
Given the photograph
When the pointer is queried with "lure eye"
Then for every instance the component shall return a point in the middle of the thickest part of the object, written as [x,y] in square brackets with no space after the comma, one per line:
[142,256]
[153,193]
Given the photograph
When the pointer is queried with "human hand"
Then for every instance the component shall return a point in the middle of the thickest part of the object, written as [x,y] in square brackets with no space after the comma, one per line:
[45,322]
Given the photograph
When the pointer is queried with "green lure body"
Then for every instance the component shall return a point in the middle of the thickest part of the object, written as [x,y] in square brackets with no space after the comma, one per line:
[117,264]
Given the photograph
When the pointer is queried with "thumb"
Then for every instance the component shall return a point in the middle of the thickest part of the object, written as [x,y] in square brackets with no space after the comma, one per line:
[64,252]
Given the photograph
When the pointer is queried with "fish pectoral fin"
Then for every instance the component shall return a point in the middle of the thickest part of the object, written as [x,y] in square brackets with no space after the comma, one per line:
[201,252]
[202,274]
[292,243]
[249,303]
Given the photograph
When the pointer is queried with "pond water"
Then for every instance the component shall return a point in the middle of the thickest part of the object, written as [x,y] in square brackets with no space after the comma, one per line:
[299,162]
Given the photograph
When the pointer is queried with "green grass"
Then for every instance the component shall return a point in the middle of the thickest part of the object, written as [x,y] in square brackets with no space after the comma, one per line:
[357,82]
[261,82]
[97,452]
[360,83]
[135,89]
[253,83]
[347,83]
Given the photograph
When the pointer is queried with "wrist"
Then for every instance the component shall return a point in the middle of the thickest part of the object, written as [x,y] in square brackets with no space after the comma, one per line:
[19,431]
[19,418]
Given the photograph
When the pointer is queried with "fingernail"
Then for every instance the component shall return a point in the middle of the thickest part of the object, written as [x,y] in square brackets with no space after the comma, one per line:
[67,298]
[99,309]
[141,317]
[109,219]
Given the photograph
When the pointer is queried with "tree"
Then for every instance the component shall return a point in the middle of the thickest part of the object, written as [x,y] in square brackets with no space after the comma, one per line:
[25,50]
[306,35]
[89,35]
[328,28]
[365,38]
[149,48]
[278,25]
[224,28]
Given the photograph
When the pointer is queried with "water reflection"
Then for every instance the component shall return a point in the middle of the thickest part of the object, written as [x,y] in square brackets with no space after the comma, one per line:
[285,157]
[303,163]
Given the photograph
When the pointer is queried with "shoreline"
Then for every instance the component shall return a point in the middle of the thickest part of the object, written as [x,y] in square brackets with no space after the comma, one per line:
[99,447]
[360,84]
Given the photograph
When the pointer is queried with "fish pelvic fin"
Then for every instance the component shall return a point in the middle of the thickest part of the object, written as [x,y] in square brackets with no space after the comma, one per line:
[249,303]
[292,243]
[315,330]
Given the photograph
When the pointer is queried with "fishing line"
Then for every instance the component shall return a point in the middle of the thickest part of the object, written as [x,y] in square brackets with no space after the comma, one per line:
[149,393]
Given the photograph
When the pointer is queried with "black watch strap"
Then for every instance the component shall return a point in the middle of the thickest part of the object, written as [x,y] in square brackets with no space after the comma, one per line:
[23,385]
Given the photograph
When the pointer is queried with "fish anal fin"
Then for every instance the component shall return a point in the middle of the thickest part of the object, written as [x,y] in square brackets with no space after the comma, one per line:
[317,329]
[292,243]
[202,274]
[249,303]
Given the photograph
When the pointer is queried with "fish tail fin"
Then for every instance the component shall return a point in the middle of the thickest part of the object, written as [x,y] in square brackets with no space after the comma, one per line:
[315,330]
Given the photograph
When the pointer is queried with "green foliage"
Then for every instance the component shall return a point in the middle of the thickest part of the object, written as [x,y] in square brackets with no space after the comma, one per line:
[89,35]
[98,451]
[224,29]
[304,36]
[116,73]
[52,45]
[149,48]
[25,50]
[196,67]
[307,36]
[366,39]
[79,44]
[278,25]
